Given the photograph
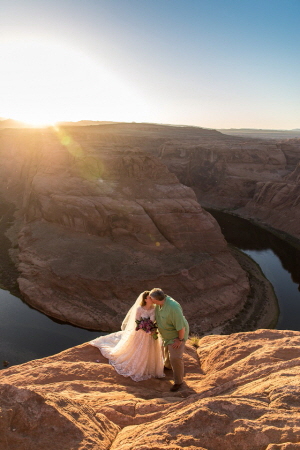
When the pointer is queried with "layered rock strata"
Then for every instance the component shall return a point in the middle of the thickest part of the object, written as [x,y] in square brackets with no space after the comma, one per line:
[255,177]
[241,391]
[99,221]
[278,203]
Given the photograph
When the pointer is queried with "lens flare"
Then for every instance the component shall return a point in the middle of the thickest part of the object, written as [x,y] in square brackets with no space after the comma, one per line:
[45,82]
[89,167]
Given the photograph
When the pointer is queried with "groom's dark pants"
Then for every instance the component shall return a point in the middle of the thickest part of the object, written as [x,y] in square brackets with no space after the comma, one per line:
[173,359]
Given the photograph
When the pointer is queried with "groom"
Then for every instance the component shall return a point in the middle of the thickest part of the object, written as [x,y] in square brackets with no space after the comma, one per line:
[174,330]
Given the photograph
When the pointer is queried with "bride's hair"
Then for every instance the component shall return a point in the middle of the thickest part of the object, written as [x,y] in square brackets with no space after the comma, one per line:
[144,296]
[157,294]
[128,323]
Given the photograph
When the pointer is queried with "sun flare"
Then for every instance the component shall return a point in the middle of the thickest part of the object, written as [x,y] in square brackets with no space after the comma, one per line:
[43,83]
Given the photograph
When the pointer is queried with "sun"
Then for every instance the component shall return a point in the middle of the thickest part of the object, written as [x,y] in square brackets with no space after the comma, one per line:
[45,82]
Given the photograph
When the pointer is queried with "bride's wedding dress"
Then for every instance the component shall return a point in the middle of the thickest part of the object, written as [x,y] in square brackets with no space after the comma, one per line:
[132,353]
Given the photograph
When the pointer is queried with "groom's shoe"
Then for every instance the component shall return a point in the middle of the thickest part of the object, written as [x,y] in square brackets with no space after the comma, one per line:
[175,387]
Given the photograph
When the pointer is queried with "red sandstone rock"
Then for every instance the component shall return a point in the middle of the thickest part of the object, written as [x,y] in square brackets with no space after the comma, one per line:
[100,218]
[243,395]
[277,203]
[98,222]
[258,178]
[33,421]
[224,171]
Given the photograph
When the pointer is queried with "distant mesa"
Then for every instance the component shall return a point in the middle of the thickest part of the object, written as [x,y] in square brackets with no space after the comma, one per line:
[258,133]
[84,123]
[11,123]
[261,133]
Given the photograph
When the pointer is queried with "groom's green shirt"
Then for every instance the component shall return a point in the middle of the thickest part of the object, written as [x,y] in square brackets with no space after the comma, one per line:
[170,320]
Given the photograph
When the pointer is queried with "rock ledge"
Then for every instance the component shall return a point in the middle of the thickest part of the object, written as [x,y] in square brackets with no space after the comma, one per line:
[241,391]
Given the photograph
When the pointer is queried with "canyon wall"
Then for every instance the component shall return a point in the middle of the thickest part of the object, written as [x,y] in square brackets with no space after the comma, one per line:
[99,219]
[277,202]
[256,178]
[104,212]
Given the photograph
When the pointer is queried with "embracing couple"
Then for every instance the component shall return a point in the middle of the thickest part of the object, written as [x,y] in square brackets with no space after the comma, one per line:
[136,351]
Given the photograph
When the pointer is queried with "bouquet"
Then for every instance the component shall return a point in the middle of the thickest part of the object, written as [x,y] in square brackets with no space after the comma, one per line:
[148,326]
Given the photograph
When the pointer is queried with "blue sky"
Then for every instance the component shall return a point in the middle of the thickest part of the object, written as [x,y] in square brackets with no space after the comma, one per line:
[212,63]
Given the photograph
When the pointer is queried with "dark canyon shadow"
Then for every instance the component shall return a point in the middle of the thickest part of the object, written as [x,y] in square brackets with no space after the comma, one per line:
[243,234]
[278,258]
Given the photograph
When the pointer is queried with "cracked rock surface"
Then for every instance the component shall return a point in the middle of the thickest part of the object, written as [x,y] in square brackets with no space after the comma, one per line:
[241,391]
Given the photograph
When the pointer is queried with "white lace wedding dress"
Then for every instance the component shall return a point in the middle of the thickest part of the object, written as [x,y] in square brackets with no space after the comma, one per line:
[132,353]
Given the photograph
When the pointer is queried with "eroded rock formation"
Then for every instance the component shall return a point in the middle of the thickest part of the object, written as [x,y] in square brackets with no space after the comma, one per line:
[99,220]
[278,203]
[101,215]
[241,392]
[254,177]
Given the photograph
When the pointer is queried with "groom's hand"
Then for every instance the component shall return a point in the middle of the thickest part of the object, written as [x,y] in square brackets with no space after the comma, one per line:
[177,343]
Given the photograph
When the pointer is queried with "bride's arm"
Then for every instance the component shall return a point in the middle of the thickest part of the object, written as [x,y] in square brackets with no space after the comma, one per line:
[152,315]
[138,313]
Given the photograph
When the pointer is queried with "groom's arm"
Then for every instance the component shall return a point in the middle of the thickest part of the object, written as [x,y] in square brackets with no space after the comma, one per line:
[181,333]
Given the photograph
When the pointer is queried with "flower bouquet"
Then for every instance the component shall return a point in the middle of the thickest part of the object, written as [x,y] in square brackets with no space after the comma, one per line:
[148,326]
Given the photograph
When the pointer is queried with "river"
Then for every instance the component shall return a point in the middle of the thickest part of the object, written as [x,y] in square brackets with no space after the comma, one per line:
[28,334]
[278,260]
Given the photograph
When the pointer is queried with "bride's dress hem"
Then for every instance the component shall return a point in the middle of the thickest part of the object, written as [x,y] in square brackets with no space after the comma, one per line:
[133,354]
[134,378]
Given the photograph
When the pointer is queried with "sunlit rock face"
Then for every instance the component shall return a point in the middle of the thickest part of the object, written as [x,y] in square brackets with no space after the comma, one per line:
[98,221]
[240,391]
[254,177]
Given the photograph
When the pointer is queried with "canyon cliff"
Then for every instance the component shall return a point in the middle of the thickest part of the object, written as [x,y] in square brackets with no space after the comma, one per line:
[241,391]
[257,178]
[104,212]
[99,218]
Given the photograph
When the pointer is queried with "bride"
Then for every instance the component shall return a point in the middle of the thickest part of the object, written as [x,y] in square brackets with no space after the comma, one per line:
[132,353]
